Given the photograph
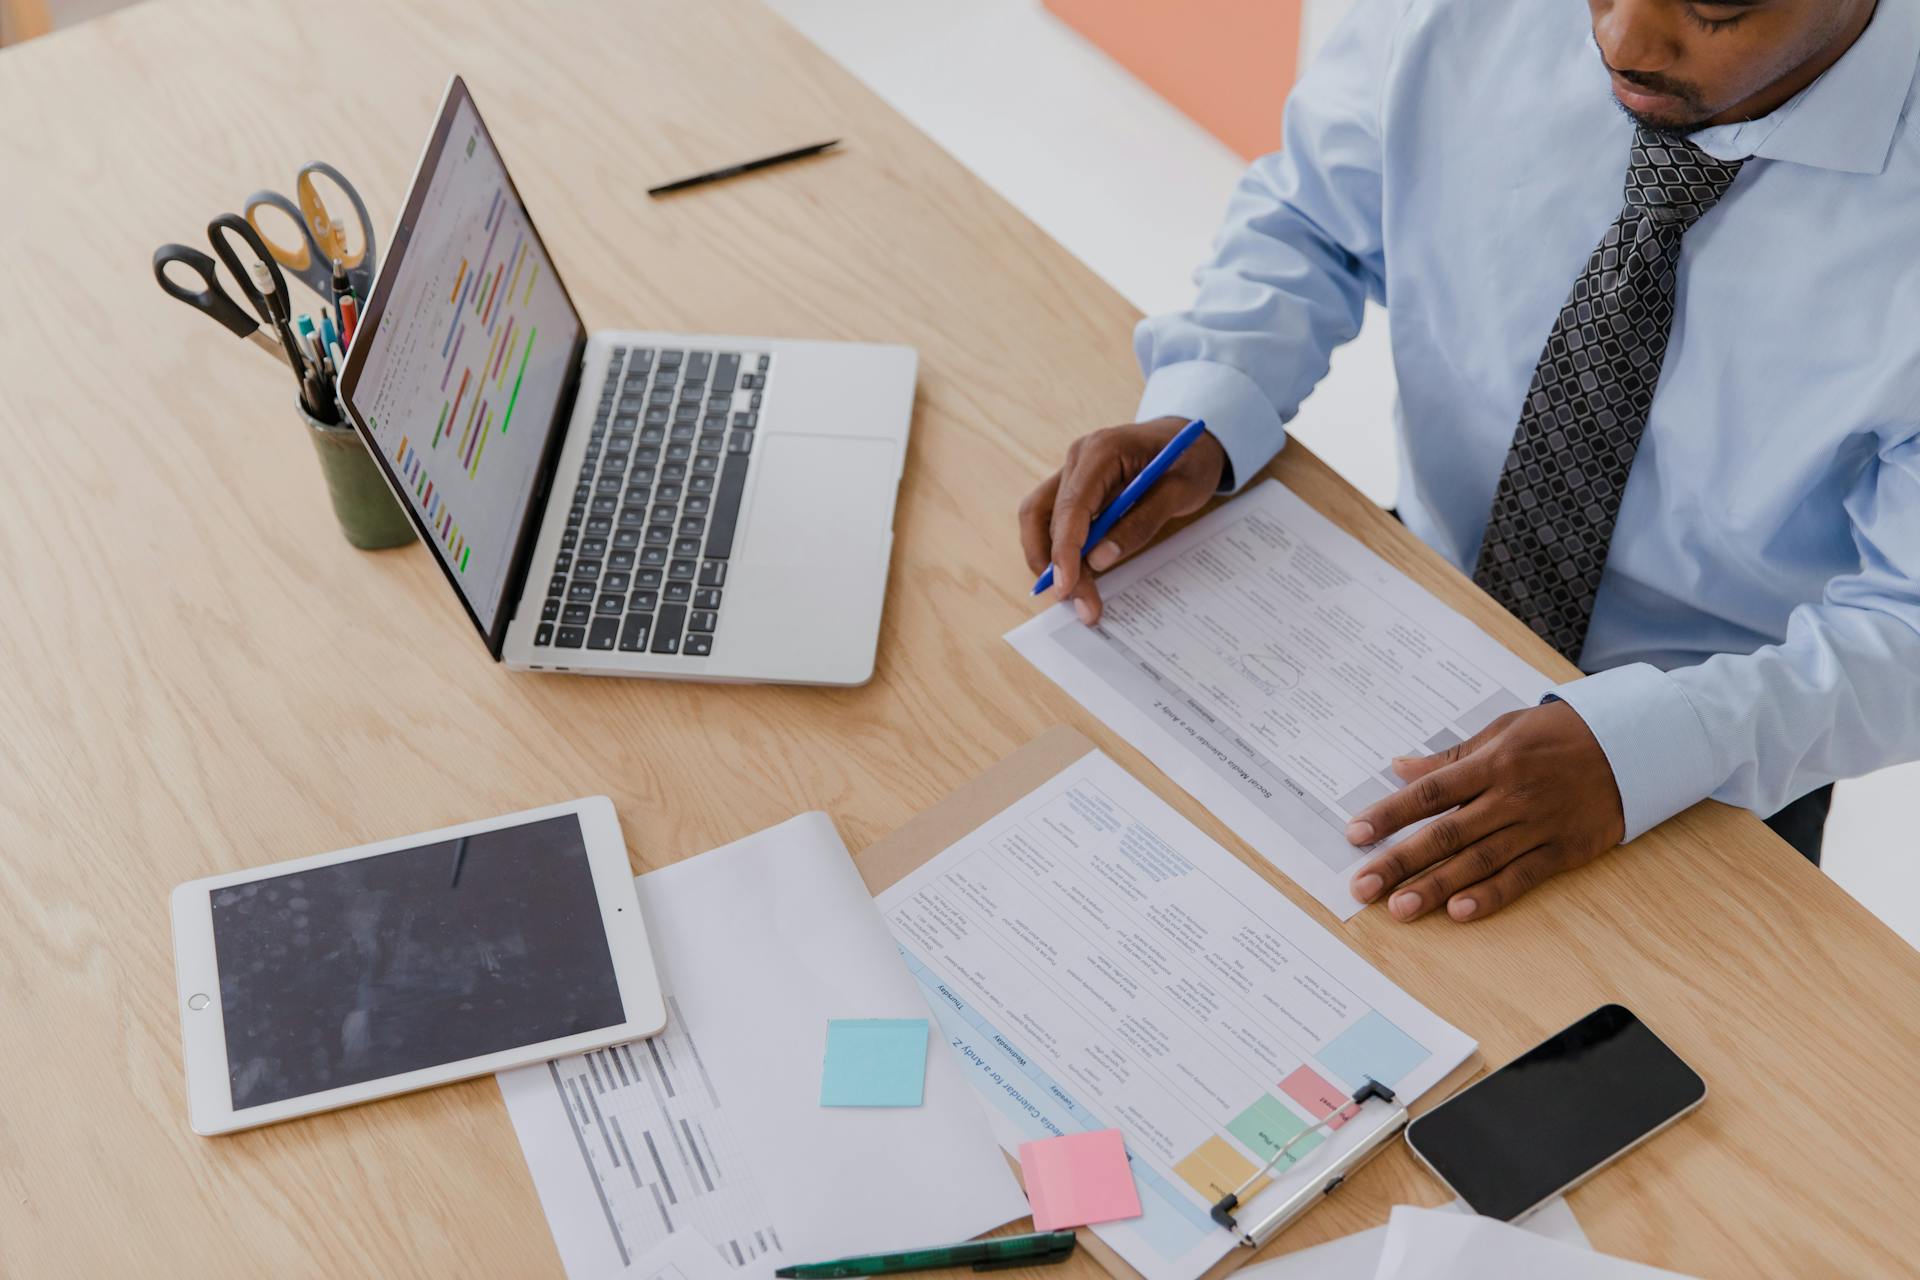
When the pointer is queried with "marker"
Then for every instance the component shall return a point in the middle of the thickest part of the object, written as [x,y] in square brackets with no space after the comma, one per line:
[735,170]
[349,319]
[341,287]
[982,1255]
[309,337]
[322,394]
[1131,495]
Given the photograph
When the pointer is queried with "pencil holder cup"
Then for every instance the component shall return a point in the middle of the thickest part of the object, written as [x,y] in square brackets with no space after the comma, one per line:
[369,516]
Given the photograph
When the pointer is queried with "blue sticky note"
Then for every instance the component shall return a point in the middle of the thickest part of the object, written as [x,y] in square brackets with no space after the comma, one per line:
[1373,1048]
[874,1062]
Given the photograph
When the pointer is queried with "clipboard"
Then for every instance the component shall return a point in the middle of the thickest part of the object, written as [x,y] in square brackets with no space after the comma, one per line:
[886,861]
[889,859]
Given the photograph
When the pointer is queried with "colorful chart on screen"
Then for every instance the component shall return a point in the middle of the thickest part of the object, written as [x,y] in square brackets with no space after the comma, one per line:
[468,360]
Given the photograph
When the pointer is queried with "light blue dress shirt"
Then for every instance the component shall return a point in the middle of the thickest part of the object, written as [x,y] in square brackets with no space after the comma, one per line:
[1757,629]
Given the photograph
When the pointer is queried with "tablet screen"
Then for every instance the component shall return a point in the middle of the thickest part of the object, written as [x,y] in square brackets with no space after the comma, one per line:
[409,959]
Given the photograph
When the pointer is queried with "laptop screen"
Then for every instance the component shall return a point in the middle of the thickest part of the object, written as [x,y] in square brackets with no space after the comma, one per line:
[463,356]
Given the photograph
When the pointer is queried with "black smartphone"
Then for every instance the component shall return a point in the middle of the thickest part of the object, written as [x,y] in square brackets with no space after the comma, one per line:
[1556,1114]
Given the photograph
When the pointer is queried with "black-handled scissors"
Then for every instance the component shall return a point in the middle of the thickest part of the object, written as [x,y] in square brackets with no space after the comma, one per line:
[271,308]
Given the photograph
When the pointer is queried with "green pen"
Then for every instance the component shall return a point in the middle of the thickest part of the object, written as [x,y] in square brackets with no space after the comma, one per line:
[982,1255]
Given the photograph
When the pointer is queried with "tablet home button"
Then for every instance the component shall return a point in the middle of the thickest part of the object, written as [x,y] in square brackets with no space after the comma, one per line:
[197,1001]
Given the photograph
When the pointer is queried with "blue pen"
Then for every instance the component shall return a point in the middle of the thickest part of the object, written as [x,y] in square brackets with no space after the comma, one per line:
[1132,494]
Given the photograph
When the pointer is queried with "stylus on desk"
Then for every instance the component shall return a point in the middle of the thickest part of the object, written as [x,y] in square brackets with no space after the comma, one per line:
[735,170]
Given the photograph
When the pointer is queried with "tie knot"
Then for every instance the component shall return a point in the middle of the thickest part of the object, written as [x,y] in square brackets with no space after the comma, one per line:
[1673,181]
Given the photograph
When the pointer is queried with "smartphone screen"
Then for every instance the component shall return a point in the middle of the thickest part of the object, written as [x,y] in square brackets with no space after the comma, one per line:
[1556,1113]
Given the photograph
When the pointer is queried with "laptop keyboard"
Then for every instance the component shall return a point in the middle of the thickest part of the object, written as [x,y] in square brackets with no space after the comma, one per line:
[642,567]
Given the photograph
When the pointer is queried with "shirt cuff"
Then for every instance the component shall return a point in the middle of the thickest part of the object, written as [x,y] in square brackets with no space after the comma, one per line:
[1236,413]
[1654,740]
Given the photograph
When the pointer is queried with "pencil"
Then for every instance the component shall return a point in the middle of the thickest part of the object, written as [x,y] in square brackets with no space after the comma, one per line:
[735,170]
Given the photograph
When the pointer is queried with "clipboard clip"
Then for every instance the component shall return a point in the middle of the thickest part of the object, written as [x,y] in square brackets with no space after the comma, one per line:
[1303,1199]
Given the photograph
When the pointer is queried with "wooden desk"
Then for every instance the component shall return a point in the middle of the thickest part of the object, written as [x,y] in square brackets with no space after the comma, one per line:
[201,675]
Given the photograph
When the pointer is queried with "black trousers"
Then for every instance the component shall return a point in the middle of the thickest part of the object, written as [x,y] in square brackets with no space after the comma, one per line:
[1803,824]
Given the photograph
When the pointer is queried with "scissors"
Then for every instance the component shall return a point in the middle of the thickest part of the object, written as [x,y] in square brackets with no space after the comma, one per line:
[323,238]
[271,308]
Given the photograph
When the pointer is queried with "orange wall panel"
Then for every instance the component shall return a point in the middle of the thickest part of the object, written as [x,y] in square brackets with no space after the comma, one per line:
[1228,64]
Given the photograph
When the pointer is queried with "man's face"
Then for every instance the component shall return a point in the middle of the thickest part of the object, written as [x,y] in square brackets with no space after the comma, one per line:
[1682,64]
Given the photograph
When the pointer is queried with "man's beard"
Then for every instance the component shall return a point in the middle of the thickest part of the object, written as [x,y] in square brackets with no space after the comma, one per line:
[1665,128]
[1685,95]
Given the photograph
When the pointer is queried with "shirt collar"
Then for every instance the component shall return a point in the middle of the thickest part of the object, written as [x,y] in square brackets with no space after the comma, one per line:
[1846,119]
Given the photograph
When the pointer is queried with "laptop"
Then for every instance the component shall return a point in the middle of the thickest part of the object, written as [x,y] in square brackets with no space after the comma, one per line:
[629,502]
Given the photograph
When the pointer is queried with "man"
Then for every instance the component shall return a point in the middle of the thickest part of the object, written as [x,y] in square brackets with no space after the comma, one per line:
[1711,497]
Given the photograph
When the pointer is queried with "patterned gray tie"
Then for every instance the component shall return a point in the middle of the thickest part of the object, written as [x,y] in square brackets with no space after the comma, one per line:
[1559,493]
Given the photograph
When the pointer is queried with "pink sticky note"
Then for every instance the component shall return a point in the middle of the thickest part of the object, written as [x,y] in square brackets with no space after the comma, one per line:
[1315,1094]
[1078,1179]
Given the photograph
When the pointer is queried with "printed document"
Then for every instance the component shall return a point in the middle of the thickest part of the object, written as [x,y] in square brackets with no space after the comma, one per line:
[684,1255]
[1357,1257]
[1096,962]
[1274,667]
[1431,1244]
[716,1124]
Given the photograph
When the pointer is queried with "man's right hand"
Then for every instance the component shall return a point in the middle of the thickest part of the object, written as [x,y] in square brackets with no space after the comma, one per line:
[1055,517]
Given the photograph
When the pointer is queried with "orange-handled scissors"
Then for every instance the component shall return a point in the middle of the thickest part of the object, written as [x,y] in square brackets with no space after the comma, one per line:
[323,238]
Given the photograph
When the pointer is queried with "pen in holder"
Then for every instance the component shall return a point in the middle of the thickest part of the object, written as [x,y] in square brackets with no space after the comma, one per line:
[369,516]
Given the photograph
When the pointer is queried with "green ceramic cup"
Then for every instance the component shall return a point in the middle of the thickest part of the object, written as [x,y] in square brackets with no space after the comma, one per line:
[369,516]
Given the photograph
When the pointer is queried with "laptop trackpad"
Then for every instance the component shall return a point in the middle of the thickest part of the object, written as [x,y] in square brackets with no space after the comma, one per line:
[820,499]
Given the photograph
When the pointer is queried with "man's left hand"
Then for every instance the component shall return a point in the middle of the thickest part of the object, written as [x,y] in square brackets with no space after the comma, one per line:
[1529,796]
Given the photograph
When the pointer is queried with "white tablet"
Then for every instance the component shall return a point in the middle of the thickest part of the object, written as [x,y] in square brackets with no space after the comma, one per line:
[344,977]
